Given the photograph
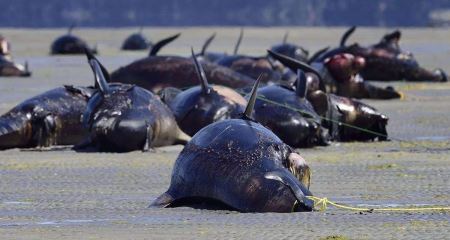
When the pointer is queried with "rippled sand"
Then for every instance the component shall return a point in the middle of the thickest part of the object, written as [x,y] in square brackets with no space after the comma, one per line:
[60,194]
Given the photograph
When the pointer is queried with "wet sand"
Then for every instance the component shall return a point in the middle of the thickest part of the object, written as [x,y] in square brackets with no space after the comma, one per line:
[60,194]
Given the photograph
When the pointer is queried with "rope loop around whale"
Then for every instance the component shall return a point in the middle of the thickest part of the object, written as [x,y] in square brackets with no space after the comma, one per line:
[321,204]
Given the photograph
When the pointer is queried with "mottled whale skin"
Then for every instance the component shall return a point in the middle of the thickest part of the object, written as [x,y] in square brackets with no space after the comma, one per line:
[157,72]
[202,105]
[241,165]
[344,79]
[131,118]
[51,118]
[253,67]
[355,113]
[298,125]
[7,66]
[227,162]
[386,61]
[123,117]
[339,74]
[10,69]
[344,117]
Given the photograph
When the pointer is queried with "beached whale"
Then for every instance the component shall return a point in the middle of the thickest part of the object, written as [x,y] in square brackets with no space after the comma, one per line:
[239,164]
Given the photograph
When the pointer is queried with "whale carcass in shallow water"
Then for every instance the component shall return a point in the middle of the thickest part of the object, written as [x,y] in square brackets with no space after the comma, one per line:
[297,128]
[69,44]
[7,66]
[123,117]
[239,164]
[386,61]
[339,75]
[199,106]
[136,41]
[51,118]
[157,72]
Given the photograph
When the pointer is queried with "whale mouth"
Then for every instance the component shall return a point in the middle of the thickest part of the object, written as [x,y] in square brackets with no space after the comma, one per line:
[298,189]
[14,133]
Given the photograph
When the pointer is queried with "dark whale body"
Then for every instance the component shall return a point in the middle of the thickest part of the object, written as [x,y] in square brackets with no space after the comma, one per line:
[386,61]
[241,165]
[51,118]
[123,117]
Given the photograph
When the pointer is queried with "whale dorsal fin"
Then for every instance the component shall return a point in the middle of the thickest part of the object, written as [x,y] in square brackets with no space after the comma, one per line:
[302,84]
[238,43]
[99,73]
[90,56]
[206,89]
[346,35]
[206,44]
[297,188]
[251,101]
[71,27]
[294,64]
[155,49]
[285,37]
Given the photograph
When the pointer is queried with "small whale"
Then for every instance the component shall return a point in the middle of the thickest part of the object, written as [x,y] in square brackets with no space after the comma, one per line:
[136,41]
[238,164]
[123,117]
[199,106]
[70,44]
[51,118]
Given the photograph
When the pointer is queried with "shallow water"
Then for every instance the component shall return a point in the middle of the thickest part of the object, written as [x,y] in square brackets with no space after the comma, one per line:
[60,194]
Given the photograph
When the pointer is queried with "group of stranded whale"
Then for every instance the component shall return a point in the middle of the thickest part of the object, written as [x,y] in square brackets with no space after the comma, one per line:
[240,137]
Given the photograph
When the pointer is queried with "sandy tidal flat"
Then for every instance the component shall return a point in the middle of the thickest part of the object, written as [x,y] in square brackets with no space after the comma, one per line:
[60,194]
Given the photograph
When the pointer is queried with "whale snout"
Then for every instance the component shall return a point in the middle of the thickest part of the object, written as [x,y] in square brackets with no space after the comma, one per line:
[318,135]
[14,133]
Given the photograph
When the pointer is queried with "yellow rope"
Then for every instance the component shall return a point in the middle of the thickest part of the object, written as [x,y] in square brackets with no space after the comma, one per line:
[322,203]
